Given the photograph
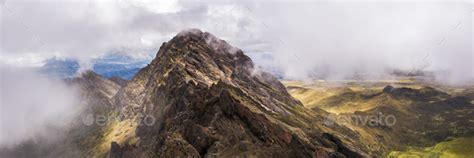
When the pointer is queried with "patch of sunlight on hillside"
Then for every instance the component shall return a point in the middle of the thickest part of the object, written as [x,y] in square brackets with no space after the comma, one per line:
[456,148]
[308,96]
[345,96]
[122,132]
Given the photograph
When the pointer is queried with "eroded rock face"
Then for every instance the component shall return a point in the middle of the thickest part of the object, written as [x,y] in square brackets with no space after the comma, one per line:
[95,89]
[208,101]
[119,81]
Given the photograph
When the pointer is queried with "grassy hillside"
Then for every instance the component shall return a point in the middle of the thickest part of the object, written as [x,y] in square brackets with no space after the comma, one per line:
[426,114]
[456,148]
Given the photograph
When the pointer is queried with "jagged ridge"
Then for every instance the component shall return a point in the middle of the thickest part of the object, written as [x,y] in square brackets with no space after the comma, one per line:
[208,100]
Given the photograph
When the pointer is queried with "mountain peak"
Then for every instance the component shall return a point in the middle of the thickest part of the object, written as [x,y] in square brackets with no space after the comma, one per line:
[209,39]
[201,57]
[188,32]
[208,99]
[89,74]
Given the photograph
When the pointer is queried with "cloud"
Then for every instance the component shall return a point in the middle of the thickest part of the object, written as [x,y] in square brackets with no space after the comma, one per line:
[338,39]
[68,28]
[331,38]
[33,106]
[88,29]
[33,31]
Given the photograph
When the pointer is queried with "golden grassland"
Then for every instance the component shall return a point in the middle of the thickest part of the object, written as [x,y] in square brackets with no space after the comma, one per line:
[350,96]
[456,148]
[327,94]
[121,132]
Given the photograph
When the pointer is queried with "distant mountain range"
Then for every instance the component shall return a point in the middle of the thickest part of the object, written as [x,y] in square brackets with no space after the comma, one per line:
[110,65]
[123,66]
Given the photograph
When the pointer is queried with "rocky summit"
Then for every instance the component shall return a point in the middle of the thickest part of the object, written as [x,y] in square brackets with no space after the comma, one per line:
[202,97]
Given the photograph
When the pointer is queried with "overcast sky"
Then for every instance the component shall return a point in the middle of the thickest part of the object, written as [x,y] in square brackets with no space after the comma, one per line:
[338,37]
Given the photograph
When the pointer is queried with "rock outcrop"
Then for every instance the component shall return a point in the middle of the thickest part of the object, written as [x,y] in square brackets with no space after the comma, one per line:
[207,100]
[95,89]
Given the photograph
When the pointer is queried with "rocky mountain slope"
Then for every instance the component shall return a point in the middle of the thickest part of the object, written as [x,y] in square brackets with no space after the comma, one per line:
[95,89]
[200,97]
[207,100]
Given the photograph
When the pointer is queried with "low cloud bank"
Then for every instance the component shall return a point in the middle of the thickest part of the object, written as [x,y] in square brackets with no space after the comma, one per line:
[34,106]
[338,40]
[334,39]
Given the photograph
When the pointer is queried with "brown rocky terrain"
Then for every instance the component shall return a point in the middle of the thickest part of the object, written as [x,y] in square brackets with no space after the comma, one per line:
[209,102]
[119,81]
[96,90]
